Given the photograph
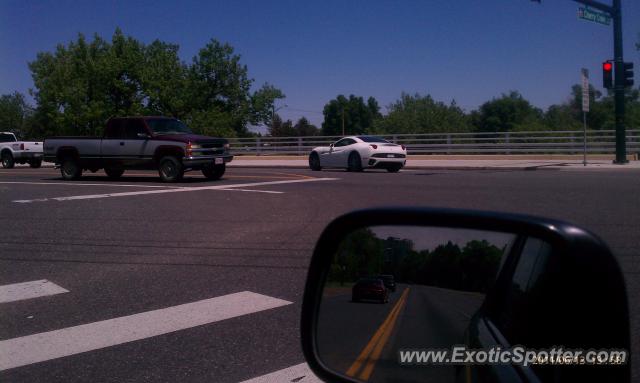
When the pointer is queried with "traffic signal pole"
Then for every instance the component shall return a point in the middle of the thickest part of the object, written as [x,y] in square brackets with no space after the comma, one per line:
[619,84]
[615,11]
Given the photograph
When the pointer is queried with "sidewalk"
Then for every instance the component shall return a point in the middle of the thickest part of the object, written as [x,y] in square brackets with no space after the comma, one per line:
[443,163]
[453,164]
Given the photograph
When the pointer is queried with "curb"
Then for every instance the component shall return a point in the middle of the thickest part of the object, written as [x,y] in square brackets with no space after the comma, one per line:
[412,167]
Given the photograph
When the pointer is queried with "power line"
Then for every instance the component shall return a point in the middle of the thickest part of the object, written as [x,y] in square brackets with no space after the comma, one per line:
[304,111]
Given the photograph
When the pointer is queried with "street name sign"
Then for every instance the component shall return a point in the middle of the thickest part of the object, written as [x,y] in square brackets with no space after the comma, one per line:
[595,16]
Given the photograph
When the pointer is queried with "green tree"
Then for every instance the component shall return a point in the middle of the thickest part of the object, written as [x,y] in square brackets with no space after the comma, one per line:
[80,85]
[568,115]
[352,113]
[14,114]
[280,128]
[164,79]
[304,128]
[600,114]
[262,102]
[422,114]
[510,112]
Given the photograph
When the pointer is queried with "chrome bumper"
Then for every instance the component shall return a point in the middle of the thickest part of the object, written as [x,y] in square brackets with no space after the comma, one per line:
[204,160]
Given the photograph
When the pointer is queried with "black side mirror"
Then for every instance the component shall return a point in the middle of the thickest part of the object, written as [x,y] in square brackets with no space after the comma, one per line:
[387,286]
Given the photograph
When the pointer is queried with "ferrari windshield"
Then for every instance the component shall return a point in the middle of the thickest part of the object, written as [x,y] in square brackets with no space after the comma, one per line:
[373,139]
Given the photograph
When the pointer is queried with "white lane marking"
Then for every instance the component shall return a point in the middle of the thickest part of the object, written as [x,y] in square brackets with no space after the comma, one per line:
[256,191]
[183,189]
[28,290]
[93,336]
[83,184]
[300,373]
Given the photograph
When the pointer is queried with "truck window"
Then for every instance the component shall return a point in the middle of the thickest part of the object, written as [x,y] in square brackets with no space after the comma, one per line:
[115,129]
[133,127]
[6,137]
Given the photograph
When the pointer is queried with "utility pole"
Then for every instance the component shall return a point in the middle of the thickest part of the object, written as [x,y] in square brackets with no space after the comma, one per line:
[615,11]
[621,138]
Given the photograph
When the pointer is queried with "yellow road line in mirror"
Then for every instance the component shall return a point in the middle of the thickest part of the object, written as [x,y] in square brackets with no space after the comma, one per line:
[355,367]
[375,355]
[364,355]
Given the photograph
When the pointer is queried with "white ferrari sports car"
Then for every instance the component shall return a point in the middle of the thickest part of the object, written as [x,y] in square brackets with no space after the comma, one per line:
[356,153]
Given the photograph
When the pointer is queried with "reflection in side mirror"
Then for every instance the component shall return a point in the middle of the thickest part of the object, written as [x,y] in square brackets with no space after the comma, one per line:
[391,294]
[395,288]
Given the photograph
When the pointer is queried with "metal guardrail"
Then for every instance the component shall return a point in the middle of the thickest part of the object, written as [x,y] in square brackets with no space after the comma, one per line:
[542,142]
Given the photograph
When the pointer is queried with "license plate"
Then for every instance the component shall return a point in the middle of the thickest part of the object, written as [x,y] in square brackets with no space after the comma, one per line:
[219,161]
[390,156]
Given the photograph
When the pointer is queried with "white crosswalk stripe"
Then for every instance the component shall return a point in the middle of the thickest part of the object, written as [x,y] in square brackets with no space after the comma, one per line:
[29,290]
[45,346]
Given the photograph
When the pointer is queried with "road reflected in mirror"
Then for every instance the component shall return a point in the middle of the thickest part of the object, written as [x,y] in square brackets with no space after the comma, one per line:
[395,288]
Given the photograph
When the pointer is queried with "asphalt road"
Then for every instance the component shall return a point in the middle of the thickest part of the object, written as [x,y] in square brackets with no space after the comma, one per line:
[135,245]
[431,318]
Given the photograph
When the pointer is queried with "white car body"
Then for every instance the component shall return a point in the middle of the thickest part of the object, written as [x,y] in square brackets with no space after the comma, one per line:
[372,152]
[13,151]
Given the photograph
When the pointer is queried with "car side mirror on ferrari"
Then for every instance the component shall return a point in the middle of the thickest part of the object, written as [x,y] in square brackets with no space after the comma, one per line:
[418,295]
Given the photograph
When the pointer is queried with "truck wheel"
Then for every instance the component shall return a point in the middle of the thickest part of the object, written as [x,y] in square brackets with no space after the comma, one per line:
[70,169]
[114,172]
[170,169]
[7,160]
[214,172]
[35,163]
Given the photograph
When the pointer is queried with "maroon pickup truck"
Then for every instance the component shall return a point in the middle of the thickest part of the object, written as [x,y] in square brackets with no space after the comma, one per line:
[161,143]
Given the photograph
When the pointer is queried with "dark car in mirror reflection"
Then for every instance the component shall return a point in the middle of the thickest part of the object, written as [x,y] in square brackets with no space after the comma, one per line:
[370,289]
[389,282]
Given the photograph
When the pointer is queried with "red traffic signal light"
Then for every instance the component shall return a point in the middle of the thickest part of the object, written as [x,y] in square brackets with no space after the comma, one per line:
[607,75]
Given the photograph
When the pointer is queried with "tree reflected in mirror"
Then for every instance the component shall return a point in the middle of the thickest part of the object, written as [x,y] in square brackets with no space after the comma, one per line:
[393,288]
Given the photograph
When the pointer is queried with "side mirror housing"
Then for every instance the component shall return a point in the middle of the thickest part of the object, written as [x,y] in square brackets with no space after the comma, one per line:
[386,281]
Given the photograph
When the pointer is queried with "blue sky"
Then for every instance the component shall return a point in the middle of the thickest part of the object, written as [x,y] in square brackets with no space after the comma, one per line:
[469,51]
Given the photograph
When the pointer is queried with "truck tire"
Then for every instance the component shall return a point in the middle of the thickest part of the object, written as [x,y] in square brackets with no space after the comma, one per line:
[7,160]
[70,169]
[35,163]
[170,169]
[114,172]
[214,172]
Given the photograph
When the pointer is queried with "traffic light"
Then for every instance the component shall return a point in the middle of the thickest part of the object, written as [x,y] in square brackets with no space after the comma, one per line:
[627,74]
[607,75]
